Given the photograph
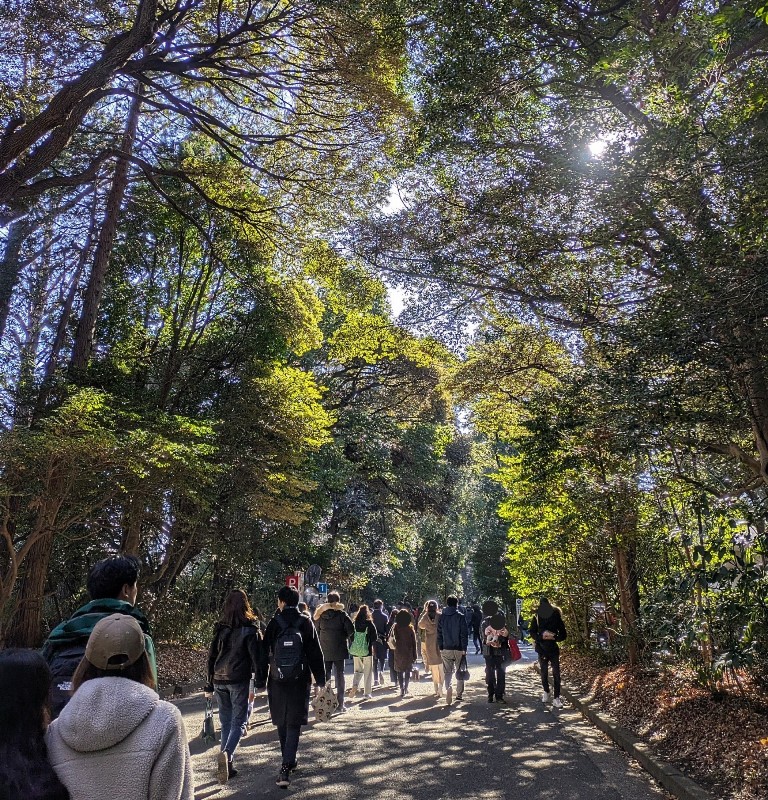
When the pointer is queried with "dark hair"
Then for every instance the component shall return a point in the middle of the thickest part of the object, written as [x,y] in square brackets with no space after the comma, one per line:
[363,614]
[431,605]
[289,596]
[237,611]
[24,768]
[378,603]
[334,597]
[452,601]
[107,577]
[140,671]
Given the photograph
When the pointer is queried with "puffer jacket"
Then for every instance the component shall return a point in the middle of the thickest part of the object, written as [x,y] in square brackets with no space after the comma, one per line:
[117,738]
[235,653]
[335,629]
[452,631]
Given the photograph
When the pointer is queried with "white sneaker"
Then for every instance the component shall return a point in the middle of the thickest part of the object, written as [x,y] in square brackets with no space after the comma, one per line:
[545,697]
[557,703]
[368,697]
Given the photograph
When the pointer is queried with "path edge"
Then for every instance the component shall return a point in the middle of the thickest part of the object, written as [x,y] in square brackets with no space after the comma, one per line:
[669,776]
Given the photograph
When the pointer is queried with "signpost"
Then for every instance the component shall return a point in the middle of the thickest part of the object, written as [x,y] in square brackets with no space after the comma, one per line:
[519,605]
[322,588]
[292,581]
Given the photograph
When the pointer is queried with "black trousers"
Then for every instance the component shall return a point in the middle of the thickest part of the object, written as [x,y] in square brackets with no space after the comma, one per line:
[289,742]
[495,677]
[544,662]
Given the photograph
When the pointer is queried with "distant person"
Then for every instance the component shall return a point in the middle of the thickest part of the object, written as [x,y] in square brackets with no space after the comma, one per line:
[496,654]
[452,639]
[295,657]
[547,629]
[236,652]
[116,737]
[433,660]
[361,648]
[477,618]
[25,772]
[522,627]
[380,620]
[335,630]
[113,587]
[405,649]
[391,624]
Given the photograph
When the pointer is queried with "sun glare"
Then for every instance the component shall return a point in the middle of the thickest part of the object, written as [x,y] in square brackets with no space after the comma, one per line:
[597,148]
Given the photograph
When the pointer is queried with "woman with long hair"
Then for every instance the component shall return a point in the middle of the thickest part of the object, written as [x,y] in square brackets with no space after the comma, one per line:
[432,658]
[236,653]
[116,728]
[361,650]
[405,649]
[24,767]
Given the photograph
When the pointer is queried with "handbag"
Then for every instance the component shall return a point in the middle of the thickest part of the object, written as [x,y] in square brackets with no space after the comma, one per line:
[462,673]
[208,733]
[324,704]
[391,640]
[514,650]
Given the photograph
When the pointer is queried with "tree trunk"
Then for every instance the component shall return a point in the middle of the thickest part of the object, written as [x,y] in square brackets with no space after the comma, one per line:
[10,267]
[86,327]
[629,596]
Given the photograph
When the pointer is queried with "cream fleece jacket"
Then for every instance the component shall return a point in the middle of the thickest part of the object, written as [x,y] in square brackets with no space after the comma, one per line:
[117,739]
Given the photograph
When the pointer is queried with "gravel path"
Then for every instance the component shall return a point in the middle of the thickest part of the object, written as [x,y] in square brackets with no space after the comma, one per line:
[421,749]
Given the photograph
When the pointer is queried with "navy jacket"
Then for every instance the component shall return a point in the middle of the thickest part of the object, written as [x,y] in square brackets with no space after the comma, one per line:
[452,633]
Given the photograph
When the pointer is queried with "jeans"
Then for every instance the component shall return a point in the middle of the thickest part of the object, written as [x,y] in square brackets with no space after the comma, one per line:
[476,641]
[289,742]
[495,677]
[403,679]
[232,699]
[544,662]
[338,666]
[451,659]
[364,670]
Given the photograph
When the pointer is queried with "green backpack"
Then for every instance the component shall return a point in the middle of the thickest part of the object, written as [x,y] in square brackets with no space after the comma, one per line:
[359,646]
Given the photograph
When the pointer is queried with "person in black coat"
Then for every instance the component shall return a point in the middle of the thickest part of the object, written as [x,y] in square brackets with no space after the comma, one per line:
[335,630]
[289,701]
[547,629]
[381,621]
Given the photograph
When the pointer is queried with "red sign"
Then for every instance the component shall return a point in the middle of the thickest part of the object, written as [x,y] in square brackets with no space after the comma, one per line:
[292,581]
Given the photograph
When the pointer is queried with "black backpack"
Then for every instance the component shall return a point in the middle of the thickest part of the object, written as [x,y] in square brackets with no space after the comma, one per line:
[287,663]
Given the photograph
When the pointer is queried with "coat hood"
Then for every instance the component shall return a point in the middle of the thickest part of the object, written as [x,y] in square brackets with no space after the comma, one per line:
[321,609]
[449,611]
[103,712]
[545,610]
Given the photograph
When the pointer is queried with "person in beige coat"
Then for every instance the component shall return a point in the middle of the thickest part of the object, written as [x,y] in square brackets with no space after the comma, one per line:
[432,658]
[116,737]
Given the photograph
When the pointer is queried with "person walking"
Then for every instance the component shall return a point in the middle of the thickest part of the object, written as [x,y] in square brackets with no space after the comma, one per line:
[404,653]
[381,621]
[361,648]
[236,652]
[25,771]
[477,619]
[392,671]
[496,653]
[116,737]
[432,658]
[547,629]
[295,657]
[335,630]
[113,587]
[452,638]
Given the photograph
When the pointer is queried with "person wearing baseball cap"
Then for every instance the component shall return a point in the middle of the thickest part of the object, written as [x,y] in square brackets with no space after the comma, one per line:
[116,725]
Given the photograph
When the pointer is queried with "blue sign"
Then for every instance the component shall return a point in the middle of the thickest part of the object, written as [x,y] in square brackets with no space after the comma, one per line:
[322,588]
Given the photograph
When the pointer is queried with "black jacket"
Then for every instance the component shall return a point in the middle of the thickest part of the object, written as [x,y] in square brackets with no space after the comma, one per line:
[489,651]
[554,623]
[235,653]
[289,702]
[452,631]
[335,630]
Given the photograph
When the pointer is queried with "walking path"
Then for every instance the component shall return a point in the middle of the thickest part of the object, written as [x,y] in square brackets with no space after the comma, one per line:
[420,749]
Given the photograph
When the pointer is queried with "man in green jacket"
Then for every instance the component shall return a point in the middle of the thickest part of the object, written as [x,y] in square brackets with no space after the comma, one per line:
[113,586]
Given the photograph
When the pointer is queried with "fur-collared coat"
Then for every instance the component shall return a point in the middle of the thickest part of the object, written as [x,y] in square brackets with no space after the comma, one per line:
[335,630]
[430,650]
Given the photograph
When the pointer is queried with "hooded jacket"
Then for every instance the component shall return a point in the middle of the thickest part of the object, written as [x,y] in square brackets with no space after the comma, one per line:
[452,631]
[430,650]
[335,629]
[547,618]
[65,646]
[117,738]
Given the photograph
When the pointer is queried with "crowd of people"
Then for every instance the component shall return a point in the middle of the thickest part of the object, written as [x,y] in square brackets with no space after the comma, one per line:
[86,708]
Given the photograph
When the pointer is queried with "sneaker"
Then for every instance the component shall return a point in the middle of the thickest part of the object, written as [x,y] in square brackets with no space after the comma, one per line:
[557,703]
[499,699]
[459,696]
[343,709]
[545,697]
[222,767]
[449,695]
[368,697]
[407,694]
[284,778]
[490,698]
[293,766]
